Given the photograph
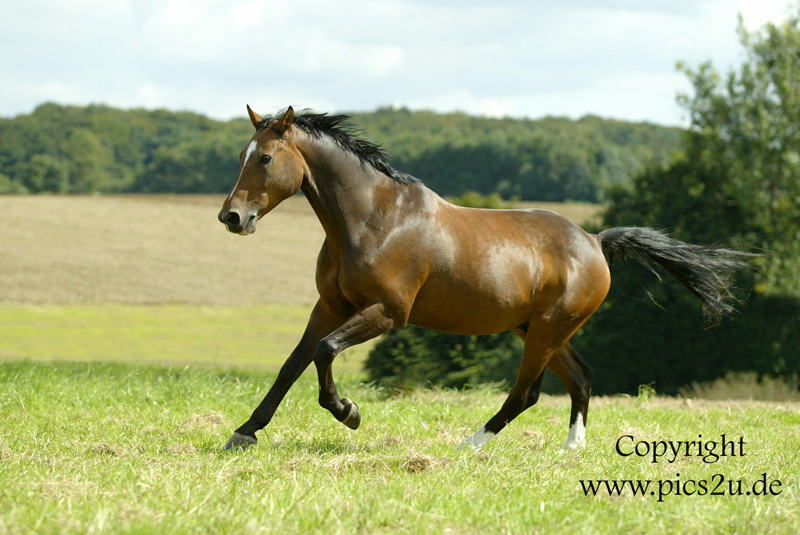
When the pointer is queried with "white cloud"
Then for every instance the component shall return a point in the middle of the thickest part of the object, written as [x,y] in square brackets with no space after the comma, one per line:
[756,14]
[462,100]
[636,97]
[610,58]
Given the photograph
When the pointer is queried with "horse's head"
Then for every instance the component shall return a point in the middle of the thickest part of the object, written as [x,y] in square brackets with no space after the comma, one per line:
[271,170]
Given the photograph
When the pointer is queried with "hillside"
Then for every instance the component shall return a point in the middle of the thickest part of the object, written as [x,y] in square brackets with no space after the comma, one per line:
[67,149]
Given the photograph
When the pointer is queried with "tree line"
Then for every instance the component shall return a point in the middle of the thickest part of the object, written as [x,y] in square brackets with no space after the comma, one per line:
[70,149]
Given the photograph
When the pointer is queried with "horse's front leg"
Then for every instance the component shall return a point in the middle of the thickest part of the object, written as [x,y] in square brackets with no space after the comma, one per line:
[322,321]
[366,324]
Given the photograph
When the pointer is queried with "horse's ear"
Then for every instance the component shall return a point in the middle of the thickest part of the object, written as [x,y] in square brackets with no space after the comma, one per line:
[286,121]
[254,117]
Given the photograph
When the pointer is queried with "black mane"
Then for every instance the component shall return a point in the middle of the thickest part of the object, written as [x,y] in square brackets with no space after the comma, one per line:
[341,131]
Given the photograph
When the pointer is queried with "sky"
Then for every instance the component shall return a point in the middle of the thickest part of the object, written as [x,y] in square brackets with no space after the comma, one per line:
[614,58]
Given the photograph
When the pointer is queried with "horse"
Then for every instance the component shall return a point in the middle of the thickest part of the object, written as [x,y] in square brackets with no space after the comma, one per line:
[396,253]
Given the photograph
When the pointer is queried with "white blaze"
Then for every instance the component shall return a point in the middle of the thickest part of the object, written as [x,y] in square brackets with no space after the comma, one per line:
[251,148]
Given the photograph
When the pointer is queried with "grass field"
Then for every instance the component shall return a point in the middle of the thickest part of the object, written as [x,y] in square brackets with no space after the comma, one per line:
[136,334]
[253,336]
[120,448]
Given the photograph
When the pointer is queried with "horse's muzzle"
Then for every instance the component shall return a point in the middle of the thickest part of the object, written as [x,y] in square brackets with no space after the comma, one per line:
[237,222]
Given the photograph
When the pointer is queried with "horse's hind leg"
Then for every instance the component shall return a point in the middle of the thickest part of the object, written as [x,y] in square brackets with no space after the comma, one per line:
[510,410]
[368,323]
[577,376]
[524,393]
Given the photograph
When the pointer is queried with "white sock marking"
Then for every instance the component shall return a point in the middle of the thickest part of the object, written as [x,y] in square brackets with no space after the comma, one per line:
[478,440]
[577,434]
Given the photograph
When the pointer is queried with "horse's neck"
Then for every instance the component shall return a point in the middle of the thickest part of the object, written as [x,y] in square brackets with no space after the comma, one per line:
[342,192]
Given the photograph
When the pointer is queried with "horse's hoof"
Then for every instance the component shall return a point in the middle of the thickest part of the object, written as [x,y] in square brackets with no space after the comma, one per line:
[353,418]
[239,441]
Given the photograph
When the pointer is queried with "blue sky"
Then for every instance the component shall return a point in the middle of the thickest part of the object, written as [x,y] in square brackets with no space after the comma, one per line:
[520,59]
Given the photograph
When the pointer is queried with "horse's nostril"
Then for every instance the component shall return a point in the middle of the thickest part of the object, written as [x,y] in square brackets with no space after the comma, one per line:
[232,219]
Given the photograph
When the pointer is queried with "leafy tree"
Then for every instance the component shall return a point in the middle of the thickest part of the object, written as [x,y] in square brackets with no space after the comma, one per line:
[749,123]
[204,165]
[44,172]
[91,162]
[10,186]
[738,182]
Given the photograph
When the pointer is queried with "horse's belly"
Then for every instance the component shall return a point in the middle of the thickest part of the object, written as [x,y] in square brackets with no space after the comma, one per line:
[477,322]
[490,300]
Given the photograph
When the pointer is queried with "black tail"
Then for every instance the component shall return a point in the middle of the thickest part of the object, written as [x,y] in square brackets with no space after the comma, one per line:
[706,270]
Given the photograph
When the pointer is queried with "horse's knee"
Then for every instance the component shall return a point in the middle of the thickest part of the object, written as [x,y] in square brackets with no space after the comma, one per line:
[325,353]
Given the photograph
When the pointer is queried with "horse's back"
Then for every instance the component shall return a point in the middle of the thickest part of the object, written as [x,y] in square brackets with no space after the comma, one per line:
[533,234]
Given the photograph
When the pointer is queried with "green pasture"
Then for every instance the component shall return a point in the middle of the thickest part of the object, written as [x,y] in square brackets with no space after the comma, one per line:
[129,448]
[114,416]
[254,337]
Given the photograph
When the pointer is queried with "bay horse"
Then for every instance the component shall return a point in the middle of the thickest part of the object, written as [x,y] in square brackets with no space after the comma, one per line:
[396,253]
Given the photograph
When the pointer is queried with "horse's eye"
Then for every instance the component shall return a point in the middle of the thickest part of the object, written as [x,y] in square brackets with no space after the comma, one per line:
[265,158]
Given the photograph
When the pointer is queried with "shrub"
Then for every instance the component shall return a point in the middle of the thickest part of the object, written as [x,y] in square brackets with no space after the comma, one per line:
[413,356]
[472,199]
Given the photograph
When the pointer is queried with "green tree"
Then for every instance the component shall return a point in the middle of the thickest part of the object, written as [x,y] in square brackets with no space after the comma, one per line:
[737,182]
[91,162]
[46,173]
[205,165]
[10,186]
[749,122]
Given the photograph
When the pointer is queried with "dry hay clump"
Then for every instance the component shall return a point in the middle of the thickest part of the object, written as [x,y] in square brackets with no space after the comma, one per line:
[204,421]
